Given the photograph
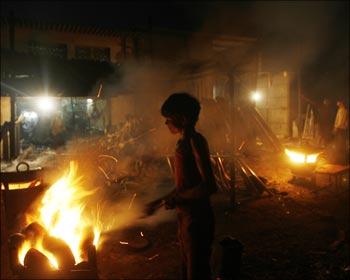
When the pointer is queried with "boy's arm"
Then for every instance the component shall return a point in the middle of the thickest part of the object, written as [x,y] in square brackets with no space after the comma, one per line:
[154,205]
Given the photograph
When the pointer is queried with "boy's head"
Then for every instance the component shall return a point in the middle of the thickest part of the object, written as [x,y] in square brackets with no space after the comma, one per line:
[341,103]
[181,109]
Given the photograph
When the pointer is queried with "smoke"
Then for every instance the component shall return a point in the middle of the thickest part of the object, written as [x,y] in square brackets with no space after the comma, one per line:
[138,90]
[310,36]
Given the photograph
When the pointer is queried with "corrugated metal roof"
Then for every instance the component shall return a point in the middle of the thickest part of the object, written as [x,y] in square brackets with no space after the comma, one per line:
[70,27]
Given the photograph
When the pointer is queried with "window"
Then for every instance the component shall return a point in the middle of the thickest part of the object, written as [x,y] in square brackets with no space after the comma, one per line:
[100,54]
[54,50]
[83,52]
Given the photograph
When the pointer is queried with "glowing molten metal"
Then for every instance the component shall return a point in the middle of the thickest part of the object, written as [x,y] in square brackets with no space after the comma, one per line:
[301,158]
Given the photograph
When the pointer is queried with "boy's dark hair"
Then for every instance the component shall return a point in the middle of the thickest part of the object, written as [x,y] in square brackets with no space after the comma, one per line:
[182,108]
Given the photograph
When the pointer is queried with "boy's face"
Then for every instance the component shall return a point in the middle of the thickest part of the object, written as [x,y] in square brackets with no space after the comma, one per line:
[170,124]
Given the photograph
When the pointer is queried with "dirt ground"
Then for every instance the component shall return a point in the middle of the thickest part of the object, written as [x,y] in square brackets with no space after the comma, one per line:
[301,232]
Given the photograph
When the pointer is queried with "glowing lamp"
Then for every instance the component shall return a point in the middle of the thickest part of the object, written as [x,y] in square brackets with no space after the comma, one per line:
[46,103]
[256,96]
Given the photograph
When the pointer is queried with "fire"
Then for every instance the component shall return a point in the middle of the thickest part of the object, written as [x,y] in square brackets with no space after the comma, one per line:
[50,256]
[23,251]
[300,158]
[61,213]
[97,234]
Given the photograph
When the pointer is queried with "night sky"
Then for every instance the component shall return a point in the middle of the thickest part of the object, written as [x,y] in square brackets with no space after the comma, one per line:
[320,30]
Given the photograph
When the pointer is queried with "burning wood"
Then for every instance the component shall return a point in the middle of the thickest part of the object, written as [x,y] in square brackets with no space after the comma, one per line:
[61,251]
[87,241]
[34,231]
[60,234]
[37,261]
[16,241]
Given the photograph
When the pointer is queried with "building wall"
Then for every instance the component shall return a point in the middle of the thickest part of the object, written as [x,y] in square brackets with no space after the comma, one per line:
[275,103]
[4,117]
[5,42]
[25,35]
[167,46]
[5,109]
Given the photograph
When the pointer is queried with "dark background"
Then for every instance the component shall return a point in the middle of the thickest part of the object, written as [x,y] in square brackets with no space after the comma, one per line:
[309,35]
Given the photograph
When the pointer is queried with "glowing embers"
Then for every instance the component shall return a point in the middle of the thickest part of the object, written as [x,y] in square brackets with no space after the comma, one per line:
[299,157]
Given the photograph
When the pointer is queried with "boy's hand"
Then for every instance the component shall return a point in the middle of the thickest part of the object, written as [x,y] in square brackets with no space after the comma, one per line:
[171,202]
[152,207]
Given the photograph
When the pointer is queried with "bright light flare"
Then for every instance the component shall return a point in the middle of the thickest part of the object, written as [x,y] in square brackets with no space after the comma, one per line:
[46,103]
[301,158]
[311,158]
[30,115]
[256,96]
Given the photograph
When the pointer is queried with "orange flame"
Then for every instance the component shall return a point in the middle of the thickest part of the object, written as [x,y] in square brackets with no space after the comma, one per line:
[61,212]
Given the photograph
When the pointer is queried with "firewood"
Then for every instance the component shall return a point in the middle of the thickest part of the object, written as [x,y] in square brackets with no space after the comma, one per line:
[60,250]
[82,265]
[34,232]
[37,262]
[16,241]
[86,242]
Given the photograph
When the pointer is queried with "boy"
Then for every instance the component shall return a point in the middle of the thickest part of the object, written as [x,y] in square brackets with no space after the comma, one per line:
[194,182]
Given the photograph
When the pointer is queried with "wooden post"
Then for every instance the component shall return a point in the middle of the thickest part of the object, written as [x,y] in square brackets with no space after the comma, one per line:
[231,87]
[5,135]
[12,31]
[13,128]
[150,26]
[123,46]
[136,47]
[5,253]
[299,94]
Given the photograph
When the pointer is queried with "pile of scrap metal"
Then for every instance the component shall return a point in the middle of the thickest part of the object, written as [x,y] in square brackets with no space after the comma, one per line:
[225,169]
[254,183]
[243,123]
[109,150]
[117,139]
[246,125]
[251,125]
